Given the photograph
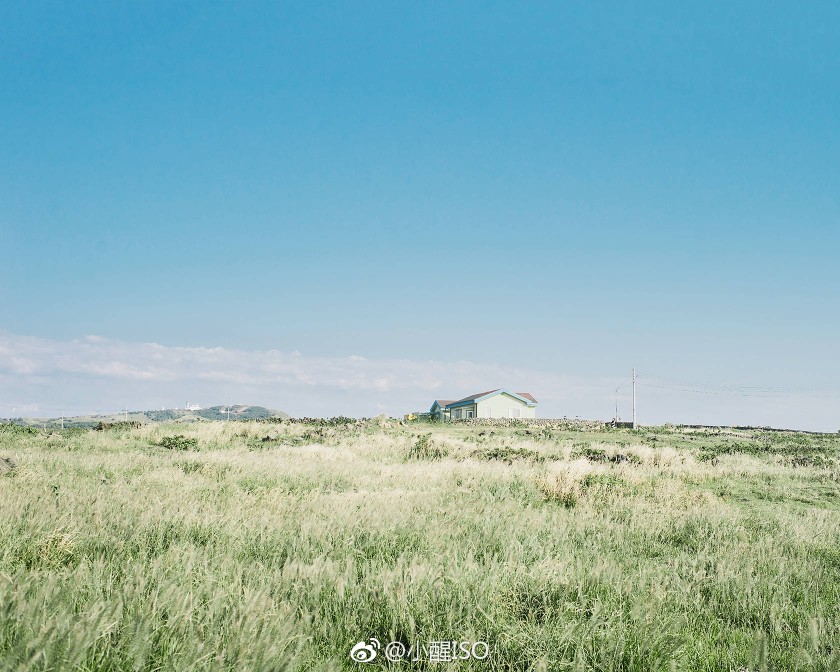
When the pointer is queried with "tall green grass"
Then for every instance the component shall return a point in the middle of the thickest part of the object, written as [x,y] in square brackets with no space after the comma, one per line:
[254,546]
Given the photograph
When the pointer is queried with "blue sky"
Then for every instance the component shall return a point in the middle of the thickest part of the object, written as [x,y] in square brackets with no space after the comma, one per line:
[550,192]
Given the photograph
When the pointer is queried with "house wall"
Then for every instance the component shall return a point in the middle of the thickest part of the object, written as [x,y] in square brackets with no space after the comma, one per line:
[499,406]
[453,412]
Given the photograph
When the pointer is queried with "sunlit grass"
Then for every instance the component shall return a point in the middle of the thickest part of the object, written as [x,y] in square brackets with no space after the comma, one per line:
[279,546]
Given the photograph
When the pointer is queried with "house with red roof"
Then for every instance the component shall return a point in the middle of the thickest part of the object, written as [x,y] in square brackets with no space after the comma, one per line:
[499,403]
[438,410]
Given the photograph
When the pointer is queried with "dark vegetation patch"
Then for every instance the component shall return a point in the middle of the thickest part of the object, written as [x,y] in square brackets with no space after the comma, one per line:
[337,421]
[602,481]
[13,429]
[816,460]
[597,455]
[131,424]
[8,467]
[802,450]
[320,435]
[829,558]
[426,449]
[508,454]
[324,431]
[190,466]
[537,433]
[178,442]
[594,487]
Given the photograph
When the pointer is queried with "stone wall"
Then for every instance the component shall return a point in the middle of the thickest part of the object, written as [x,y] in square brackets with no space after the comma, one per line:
[547,423]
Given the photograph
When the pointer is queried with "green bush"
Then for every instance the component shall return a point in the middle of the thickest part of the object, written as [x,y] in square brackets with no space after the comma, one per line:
[179,442]
[121,425]
[15,429]
[425,449]
[508,454]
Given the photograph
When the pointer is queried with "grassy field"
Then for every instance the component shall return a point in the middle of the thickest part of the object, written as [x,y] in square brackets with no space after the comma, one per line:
[271,546]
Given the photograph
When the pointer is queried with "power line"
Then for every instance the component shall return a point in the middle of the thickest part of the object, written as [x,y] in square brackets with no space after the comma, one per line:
[727,389]
[626,382]
[748,388]
[830,391]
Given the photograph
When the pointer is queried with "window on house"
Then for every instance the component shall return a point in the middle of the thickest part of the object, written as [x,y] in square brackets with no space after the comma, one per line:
[470,414]
[488,412]
[513,412]
[457,414]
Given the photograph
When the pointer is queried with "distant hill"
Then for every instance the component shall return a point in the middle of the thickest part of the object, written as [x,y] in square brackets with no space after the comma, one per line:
[237,412]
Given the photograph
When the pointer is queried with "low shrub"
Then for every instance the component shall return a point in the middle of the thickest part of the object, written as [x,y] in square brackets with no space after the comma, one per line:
[426,449]
[121,425]
[8,466]
[15,429]
[178,442]
[508,454]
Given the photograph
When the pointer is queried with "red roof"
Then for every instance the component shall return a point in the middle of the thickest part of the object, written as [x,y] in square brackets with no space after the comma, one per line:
[528,396]
[443,403]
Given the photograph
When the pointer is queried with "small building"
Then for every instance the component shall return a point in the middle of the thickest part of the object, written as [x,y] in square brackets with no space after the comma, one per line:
[499,403]
[438,410]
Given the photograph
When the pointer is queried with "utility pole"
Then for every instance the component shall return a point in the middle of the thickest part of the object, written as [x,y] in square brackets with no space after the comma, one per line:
[634,397]
[615,417]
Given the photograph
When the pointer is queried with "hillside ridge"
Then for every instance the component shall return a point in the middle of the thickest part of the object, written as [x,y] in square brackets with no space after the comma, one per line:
[232,412]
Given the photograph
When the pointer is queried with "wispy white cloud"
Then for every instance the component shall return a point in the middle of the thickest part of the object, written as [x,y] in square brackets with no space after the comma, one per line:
[350,384]
[44,377]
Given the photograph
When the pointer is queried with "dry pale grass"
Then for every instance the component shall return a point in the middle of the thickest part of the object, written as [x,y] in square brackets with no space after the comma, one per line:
[278,546]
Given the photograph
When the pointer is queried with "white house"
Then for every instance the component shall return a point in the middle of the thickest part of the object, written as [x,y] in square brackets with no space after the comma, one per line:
[499,403]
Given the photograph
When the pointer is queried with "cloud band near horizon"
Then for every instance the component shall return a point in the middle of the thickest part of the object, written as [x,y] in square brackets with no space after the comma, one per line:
[39,372]
[46,378]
